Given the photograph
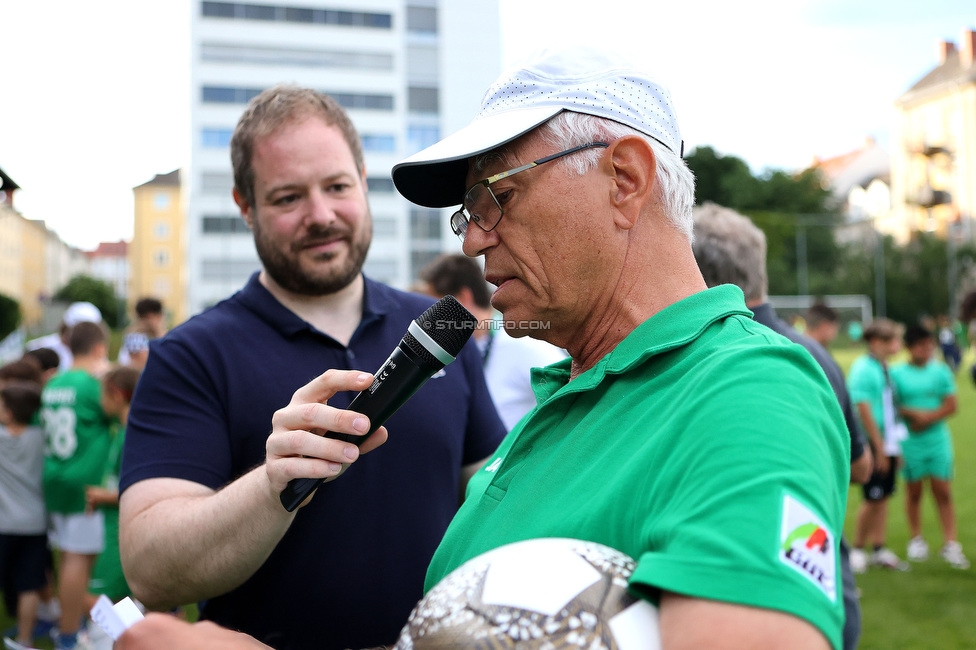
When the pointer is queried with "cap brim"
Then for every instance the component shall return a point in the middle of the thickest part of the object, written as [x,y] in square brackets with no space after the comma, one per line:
[435,177]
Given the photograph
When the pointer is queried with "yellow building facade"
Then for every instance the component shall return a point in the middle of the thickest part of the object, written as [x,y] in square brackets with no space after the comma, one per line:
[23,272]
[157,253]
[933,156]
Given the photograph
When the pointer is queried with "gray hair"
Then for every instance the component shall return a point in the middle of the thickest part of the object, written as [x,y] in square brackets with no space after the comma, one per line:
[730,249]
[676,183]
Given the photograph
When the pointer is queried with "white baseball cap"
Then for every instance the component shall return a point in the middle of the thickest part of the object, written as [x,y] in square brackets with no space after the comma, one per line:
[582,79]
[81,312]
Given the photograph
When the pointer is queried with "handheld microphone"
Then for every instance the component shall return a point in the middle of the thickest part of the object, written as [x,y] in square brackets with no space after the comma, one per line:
[432,341]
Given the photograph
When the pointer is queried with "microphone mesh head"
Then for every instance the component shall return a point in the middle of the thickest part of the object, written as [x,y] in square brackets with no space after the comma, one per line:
[448,323]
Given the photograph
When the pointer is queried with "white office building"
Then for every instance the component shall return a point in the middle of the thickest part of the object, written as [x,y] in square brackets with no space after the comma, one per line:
[408,71]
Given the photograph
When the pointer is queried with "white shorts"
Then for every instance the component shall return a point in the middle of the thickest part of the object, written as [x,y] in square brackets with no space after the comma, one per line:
[77,532]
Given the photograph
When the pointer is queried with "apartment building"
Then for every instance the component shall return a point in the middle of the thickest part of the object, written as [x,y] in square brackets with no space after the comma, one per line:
[157,254]
[933,150]
[34,262]
[408,71]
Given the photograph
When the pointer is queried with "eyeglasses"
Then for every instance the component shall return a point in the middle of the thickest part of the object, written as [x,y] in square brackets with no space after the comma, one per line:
[482,207]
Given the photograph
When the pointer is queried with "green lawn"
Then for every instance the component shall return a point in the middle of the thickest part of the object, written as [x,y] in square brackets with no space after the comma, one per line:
[931,607]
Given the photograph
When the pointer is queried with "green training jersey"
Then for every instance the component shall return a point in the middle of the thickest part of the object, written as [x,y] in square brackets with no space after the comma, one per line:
[78,438]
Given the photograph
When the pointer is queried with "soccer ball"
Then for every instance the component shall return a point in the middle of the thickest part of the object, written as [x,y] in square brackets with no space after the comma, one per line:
[538,594]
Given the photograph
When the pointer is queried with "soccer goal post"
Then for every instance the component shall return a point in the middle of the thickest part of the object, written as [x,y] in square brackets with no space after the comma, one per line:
[848,307]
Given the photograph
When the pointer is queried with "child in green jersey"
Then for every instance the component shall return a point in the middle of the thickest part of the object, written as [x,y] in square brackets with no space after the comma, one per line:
[107,578]
[926,396]
[78,438]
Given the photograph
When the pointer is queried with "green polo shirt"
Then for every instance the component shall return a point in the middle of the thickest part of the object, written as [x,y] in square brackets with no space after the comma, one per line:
[866,382]
[925,388]
[705,446]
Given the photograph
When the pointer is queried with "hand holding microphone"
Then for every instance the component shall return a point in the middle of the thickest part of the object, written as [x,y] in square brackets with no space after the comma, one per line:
[432,341]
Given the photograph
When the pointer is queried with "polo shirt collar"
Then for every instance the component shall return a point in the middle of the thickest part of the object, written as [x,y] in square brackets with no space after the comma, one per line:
[377,302]
[671,328]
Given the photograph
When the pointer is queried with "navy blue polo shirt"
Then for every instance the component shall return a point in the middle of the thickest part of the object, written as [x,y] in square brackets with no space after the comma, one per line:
[352,565]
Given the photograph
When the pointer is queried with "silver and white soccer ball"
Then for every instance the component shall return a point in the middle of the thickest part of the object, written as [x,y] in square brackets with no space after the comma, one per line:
[539,594]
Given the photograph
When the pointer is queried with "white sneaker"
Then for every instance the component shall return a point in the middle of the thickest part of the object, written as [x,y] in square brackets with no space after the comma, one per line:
[886,558]
[859,560]
[10,644]
[918,549]
[952,553]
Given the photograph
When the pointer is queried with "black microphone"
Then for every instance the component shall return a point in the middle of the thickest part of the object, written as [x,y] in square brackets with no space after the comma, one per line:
[432,341]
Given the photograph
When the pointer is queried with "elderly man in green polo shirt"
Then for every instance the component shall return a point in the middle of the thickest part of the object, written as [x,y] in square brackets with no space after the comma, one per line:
[680,431]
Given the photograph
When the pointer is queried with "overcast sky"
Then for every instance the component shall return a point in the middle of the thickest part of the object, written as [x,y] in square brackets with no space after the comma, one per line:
[95,96]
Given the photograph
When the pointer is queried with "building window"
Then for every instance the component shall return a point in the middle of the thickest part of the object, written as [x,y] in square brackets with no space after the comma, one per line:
[385,227]
[161,259]
[218,9]
[229,95]
[425,224]
[420,137]
[354,100]
[419,259]
[258,12]
[423,63]
[422,20]
[381,270]
[161,230]
[161,201]
[309,58]
[380,185]
[221,269]
[298,15]
[244,11]
[423,100]
[216,183]
[379,143]
[224,224]
[216,138]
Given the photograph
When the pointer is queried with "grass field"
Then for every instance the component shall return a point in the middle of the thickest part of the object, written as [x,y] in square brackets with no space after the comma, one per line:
[931,607]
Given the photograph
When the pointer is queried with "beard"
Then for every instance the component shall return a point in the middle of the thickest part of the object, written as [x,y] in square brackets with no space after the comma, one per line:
[286,268]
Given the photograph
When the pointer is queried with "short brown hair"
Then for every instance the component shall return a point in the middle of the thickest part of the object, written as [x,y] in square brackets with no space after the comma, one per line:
[279,105]
[124,379]
[23,399]
[820,313]
[881,328]
[448,274]
[85,336]
[23,369]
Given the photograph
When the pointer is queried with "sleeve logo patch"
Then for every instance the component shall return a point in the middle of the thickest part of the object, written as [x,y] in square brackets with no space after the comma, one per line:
[808,546]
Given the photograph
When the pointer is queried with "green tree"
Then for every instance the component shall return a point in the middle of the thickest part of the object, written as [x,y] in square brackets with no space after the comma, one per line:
[9,315]
[97,292]
[916,275]
[725,180]
[793,210]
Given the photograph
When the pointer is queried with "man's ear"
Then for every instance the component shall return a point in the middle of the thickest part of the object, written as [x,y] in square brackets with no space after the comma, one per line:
[634,175]
[245,208]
